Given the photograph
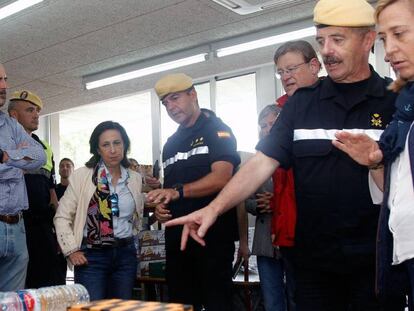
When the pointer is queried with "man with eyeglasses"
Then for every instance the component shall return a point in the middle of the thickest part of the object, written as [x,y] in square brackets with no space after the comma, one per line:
[47,265]
[297,66]
[198,160]
[335,236]
[18,152]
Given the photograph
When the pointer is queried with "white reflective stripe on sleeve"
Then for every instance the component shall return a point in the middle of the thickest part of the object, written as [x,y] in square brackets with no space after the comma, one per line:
[302,134]
[185,155]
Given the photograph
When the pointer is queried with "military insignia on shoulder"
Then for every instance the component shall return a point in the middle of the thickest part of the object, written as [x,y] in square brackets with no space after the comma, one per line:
[223,134]
[376,120]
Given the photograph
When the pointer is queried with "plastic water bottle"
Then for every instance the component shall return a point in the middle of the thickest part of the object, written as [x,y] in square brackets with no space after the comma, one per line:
[30,299]
[58,298]
[53,298]
[10,301]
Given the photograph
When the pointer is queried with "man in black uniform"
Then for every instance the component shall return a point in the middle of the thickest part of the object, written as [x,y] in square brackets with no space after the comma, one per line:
[198,160]
[336,219]
[46,267]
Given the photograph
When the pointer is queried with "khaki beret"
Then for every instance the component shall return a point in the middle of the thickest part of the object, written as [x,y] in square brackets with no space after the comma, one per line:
[172,83]
[344,13]
[28,97]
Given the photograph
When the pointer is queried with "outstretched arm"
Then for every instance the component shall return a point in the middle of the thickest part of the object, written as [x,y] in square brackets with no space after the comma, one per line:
[241,186]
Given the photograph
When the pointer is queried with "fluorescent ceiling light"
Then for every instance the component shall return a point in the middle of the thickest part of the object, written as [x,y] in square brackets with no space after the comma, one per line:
[146,71]
[17,6]
[228,3]
[288,36]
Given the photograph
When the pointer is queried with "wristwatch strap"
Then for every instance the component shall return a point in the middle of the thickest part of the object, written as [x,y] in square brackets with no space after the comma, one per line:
[180,189]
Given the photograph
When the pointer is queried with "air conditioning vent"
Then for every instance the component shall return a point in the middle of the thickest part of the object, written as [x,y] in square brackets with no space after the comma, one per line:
[244,7]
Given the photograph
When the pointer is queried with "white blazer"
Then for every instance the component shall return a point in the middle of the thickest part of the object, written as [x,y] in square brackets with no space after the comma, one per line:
[70,218]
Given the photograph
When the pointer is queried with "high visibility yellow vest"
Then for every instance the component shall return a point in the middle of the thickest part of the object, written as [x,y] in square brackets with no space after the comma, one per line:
[49,157]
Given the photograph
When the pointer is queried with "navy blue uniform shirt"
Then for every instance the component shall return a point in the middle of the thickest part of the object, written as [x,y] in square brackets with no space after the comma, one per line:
[187,157]
[336,219]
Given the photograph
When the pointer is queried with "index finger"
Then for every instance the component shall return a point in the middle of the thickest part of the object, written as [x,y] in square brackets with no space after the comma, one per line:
[178,221]
[342,135]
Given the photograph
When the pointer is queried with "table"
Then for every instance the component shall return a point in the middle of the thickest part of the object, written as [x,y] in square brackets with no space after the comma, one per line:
[247,281]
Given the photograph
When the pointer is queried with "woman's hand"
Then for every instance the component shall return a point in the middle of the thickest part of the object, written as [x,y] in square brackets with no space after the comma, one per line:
[360,147]
[78,258]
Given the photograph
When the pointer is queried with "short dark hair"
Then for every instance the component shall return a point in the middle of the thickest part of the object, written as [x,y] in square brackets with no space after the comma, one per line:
[300,46]
[94,142]
[68,160]
[12,105]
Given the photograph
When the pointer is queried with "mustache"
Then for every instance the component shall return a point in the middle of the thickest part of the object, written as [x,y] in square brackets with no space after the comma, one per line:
[3,92]
[328,60]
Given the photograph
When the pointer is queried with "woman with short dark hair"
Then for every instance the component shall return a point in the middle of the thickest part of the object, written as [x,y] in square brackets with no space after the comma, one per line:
[99,215]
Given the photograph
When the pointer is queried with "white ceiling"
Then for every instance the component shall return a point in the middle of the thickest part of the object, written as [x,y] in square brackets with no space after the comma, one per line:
[49,47]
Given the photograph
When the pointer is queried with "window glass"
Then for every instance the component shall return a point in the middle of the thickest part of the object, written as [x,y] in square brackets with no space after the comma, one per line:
[236,106]
[203,94]
[168,126]
[42,131]
[132,112]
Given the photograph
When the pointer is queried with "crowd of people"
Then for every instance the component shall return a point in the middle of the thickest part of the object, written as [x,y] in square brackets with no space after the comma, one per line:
[336,217]
[331,183]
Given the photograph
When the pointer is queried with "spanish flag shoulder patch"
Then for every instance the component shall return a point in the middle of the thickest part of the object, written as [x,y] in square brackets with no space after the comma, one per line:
[223,134]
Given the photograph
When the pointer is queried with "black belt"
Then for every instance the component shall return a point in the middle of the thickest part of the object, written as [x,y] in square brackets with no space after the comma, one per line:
[11,219]
[123,242]
[116,243]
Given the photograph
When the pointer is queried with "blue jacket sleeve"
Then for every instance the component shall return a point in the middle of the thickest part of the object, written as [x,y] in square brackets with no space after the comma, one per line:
[28,153]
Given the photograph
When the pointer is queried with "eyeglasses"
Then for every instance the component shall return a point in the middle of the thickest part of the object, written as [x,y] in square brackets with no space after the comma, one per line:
[114,204]
[288,71]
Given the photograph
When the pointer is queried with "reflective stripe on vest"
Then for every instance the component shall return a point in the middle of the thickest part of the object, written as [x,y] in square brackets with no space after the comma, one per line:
[185,155]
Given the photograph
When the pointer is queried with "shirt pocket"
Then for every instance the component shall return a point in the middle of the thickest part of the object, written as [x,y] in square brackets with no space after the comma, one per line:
[313,166]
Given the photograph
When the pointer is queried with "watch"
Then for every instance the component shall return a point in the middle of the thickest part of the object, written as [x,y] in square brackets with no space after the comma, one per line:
[180,189]
[1,156]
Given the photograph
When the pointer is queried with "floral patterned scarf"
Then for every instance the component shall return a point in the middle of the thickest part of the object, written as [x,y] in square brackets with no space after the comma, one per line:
[99,222]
